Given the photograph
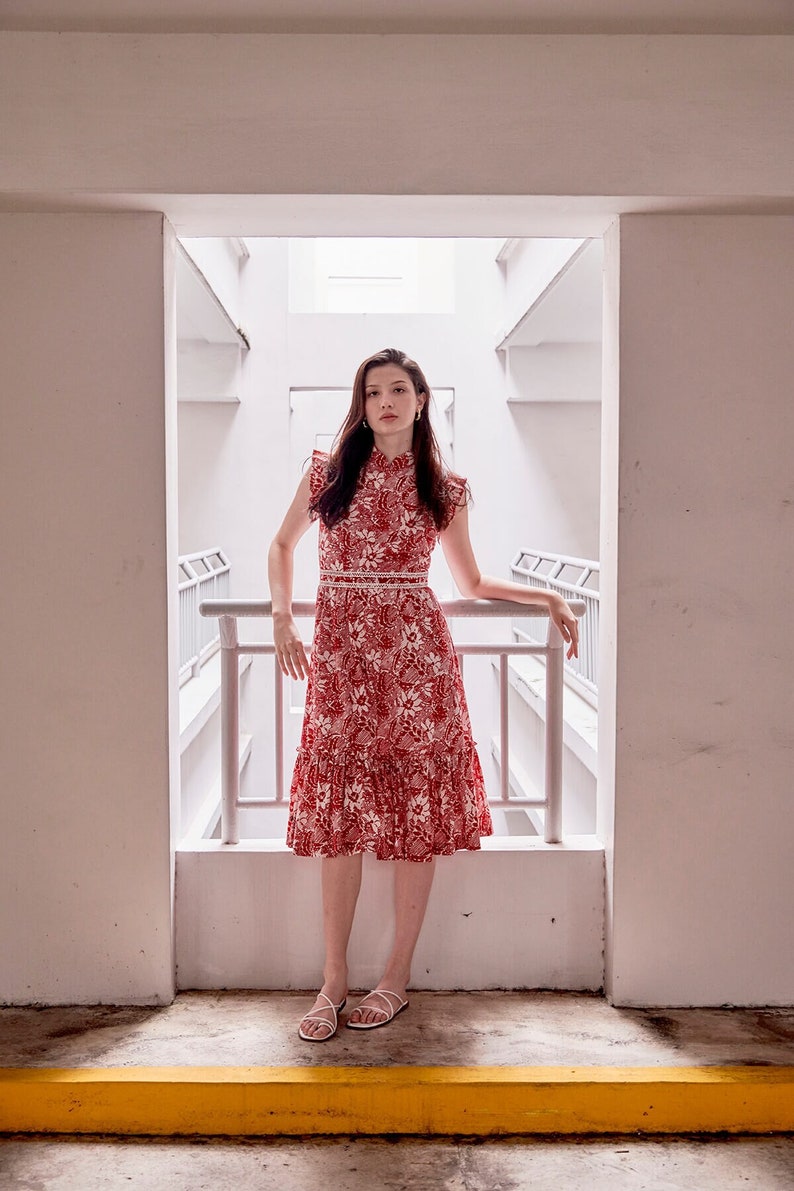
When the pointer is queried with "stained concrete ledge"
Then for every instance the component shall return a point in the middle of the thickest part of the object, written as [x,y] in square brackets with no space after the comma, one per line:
[475,933]
[456,1063]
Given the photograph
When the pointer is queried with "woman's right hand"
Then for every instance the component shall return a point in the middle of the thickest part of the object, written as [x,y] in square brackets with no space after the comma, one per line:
[290,650]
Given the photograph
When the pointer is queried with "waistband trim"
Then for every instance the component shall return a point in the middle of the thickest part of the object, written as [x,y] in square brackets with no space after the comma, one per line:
[382,579]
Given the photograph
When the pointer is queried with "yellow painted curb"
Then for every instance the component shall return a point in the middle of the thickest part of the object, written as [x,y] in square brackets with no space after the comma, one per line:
[229,1101]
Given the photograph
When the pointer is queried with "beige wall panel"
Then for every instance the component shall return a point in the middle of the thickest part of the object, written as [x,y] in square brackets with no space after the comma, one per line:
[84,866]
[400,114]
[702,876]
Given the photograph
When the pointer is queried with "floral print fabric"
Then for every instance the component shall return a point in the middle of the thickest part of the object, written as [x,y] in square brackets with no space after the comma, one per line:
[386,762]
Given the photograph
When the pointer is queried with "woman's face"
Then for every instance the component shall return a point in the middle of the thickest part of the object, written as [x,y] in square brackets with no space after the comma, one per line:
[391,402]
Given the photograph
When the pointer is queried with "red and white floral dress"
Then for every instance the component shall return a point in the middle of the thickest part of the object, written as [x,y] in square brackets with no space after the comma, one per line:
[386,762]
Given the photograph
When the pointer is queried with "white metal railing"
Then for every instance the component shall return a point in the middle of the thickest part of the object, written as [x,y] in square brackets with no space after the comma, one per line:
[203,575]
[230,611]
[573,578]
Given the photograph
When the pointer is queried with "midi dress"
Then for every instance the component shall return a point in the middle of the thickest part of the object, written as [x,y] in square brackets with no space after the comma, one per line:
[386,762]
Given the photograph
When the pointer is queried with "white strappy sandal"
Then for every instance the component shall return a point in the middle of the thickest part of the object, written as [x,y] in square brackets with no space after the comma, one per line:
[332,1025]
[389,1013]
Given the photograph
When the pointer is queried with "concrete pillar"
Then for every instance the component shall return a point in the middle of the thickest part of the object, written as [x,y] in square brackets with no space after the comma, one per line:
[89,560]
[698,531]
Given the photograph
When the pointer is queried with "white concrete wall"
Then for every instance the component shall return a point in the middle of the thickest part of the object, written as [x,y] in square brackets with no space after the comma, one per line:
[234,486]
[219,262]
[528,749]
[555,372]
[577,129]
[87,680]
[499,918]
[534,470]
[229,454]
[530,267]
[702,881]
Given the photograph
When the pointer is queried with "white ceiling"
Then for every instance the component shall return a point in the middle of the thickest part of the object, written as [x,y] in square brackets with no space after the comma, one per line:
[531,16]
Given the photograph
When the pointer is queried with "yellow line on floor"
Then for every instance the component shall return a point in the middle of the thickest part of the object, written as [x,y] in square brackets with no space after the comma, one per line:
[230,1101]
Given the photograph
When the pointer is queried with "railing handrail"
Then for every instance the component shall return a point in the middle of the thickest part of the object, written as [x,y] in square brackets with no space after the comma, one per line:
[196,641]
[584,669]
[186,561]
[204,553]
[454,609]
[569,560]
[585,566]
[228,613]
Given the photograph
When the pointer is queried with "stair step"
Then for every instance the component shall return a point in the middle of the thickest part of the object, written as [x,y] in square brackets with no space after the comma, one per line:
[406,1100]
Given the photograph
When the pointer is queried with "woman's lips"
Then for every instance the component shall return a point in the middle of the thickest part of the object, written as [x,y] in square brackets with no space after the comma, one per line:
[388,418]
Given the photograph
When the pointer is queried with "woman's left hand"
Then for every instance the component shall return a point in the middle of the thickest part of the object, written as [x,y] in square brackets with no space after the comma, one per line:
[562,616]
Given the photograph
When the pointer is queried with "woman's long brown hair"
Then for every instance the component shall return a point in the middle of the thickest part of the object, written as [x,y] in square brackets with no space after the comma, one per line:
[354,442]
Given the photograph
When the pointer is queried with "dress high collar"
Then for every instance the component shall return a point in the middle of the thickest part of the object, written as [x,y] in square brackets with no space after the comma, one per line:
[405,459]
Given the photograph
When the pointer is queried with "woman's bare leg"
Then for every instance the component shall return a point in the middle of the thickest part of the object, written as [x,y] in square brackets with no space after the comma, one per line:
[412,884]
[341,881]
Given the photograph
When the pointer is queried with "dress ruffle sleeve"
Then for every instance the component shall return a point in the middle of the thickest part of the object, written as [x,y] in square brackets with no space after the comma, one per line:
[318,472]
[457,492]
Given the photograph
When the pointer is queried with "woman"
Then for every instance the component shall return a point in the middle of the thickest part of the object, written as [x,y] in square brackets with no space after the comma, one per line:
[386,762]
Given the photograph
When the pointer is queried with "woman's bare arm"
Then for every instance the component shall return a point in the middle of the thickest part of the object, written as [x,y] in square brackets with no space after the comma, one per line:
[290,649]
[473,585]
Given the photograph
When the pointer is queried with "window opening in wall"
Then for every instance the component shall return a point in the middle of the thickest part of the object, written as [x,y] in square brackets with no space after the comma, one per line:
[371,276]
[508,333]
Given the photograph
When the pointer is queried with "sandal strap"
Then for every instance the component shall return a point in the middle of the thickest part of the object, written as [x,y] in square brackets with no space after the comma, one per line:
[326,998]
[317,1017]
[322,1020]
[381,992]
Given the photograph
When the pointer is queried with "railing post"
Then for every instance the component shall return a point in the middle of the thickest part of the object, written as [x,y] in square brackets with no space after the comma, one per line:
[504,736]
[230,732]
[554,730]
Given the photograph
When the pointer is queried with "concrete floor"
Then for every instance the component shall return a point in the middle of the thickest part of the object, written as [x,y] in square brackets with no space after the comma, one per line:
[260,1028]
[373,1164]
[514,1028]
